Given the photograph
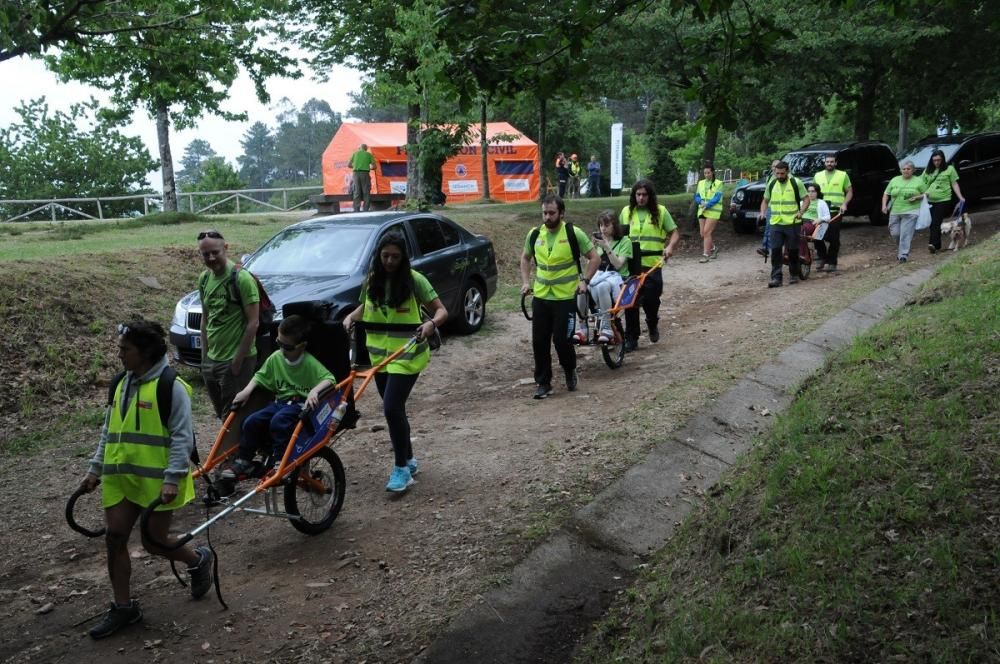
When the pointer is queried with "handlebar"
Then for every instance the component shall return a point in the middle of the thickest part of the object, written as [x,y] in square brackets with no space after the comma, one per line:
[144,525]
[524,304]
[70,506]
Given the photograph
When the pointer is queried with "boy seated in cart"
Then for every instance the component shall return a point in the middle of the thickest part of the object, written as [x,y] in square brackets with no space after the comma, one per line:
[296,379]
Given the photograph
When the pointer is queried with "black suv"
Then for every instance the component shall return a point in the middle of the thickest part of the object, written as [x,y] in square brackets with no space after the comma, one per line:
[870,165]
[976,157]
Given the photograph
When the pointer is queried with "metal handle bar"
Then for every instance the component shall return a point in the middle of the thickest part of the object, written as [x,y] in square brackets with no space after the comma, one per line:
[70,506]
[144,525]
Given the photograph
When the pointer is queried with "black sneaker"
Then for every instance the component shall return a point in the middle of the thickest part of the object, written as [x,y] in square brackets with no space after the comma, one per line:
[571,380]
[201,574]
[116,618]
[931,248]
[761,251]
[654,334]
[793,280]
[630,345]
[774,283]
[543,391]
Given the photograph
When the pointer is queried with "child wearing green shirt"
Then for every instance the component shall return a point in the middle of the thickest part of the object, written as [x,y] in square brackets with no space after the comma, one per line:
[296,378]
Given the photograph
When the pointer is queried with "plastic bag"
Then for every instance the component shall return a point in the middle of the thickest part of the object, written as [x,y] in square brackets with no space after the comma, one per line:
[924,216]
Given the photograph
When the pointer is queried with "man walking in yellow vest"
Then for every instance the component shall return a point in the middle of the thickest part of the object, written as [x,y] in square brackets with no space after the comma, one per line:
[557,282]
[786,196]
[837,192]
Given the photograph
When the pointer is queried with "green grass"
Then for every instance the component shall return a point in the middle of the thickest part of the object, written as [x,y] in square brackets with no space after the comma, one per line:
[863,527]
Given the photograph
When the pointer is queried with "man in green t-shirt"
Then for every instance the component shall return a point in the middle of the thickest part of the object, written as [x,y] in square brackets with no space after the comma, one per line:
[362,163]
[230,308]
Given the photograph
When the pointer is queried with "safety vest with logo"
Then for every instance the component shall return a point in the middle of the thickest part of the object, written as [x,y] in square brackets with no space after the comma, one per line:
[137,450]
[652,238]
[556,273]
[574,168]
[833,186]
[782,200]
[387,328]
[707,190]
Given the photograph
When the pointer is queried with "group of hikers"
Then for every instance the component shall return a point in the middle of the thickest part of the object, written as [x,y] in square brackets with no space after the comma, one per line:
[147,437]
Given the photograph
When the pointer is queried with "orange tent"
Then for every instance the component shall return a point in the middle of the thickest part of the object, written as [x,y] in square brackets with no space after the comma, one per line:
[513,164]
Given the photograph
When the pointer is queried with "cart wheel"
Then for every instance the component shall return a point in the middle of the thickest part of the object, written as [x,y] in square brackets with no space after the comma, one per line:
[315,492]
[804,270]
[526,300]
[614,352]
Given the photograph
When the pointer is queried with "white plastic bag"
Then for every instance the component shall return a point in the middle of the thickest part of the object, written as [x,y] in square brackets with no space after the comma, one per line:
[924,216]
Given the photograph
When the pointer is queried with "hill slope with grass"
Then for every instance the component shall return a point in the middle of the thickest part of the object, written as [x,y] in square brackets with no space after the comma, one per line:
[866,525]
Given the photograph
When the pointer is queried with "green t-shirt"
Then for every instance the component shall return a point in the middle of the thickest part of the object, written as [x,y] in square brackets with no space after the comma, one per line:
[291,381]
[623,247]
[582,240]
[362,160]
[224,320]
[900,190]
[939,184]
[422,289]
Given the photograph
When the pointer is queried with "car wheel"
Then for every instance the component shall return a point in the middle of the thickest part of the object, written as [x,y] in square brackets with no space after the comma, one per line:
[473,312]
[876,218]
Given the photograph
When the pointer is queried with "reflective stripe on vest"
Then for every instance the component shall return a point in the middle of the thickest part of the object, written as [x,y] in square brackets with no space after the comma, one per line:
[783,207]
[555,272]
[707,190]
[383,343]
[651,238]
[832,187]
[138,447]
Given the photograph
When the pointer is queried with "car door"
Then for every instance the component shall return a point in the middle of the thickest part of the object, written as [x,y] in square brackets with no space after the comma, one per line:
[981,173]
[876,165]
[441,257]
[965,161]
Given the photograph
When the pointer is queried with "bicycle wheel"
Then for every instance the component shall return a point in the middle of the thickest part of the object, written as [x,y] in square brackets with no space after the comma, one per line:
[526,300]
[314,493]
[614,352]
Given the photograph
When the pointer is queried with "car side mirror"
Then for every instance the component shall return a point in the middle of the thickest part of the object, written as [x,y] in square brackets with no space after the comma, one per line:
[244,258]
[964,163]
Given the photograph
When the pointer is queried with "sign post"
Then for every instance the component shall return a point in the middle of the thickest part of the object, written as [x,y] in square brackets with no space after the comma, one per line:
[617,149]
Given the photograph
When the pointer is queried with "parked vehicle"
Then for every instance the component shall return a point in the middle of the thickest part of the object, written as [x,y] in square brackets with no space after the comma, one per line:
[870,165]
[326,260]
[976,157]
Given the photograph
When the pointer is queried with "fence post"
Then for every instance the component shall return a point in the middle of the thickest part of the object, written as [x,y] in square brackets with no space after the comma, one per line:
[284,199]
[52,207]
[145,206]
[100,212]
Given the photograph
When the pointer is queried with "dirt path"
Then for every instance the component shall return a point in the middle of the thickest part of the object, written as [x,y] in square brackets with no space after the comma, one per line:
[497,471]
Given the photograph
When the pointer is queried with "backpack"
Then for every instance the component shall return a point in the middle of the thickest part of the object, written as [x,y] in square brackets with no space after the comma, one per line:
[795,188]
[164,399]
[574,245]
[266,308]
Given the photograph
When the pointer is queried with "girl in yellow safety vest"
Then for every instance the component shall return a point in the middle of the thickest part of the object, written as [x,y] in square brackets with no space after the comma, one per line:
[708,197]
[390,314]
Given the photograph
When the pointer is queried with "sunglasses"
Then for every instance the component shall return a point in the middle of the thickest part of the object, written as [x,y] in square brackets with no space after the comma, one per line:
[289,347]
[215,235]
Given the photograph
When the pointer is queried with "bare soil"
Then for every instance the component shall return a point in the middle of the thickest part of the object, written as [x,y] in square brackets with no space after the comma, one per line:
[498,471]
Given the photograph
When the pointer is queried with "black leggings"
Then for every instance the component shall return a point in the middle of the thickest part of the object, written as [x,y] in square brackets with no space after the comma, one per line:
[395,390]
[938,212]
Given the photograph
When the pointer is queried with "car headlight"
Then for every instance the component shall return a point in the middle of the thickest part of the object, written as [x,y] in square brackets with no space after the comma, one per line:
[739,196]
[180,316]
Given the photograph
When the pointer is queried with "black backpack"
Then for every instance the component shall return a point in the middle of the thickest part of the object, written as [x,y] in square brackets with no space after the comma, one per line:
[164,399]
[574,245]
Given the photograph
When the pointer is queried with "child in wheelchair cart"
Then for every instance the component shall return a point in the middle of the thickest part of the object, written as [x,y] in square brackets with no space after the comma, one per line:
[615,250]
[296,379]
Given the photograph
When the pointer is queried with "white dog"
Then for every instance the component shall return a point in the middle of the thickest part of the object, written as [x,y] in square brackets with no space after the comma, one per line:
[959,230]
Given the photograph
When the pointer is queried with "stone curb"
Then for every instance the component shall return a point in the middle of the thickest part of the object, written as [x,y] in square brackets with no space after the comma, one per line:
[568,581]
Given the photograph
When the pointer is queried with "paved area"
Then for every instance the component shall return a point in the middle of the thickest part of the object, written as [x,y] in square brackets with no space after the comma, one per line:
[567,582]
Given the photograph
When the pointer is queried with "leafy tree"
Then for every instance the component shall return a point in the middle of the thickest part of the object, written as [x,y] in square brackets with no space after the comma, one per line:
[258,162]
[301,137]
[216,175]
[196,154]
[77,154]
[366,109]
[178,74]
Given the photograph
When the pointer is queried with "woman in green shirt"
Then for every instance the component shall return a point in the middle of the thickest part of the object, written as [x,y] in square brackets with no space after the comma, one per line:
[615,250]
[940,181]
[906,192]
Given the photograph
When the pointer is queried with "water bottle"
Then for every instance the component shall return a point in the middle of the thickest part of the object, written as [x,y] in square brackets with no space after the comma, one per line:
[338,415]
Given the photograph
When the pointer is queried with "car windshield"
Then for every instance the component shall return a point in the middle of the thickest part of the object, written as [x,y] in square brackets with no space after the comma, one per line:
[805,164]
[312,250]
[920,155]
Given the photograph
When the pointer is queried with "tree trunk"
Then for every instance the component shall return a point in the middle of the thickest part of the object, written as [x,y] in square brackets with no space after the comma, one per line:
[711,141]
[541,148]
[483,145]
[864,115]
[412,148]
[166,160]
[904,129]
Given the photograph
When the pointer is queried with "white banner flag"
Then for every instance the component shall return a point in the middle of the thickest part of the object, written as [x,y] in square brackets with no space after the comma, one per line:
[617,149]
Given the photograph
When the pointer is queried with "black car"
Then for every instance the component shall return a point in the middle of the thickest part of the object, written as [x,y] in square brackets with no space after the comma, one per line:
[976,158]
[869,164]
[325,260]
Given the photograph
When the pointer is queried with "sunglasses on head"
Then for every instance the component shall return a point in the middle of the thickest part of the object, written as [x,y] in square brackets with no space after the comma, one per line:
[283,346]
[122,329]
[215,235]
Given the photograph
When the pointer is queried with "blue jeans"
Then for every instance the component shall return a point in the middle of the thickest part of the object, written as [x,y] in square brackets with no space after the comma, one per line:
[269,428]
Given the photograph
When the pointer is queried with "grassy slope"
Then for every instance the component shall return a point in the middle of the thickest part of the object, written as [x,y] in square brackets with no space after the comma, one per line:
[866,525]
